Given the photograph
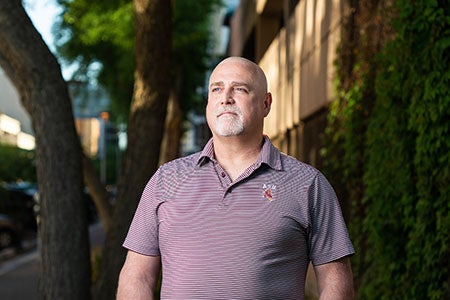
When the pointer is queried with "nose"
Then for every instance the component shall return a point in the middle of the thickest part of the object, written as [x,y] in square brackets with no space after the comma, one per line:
[227,97]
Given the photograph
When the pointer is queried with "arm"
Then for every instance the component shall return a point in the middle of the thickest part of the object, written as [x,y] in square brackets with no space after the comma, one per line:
[335,280]
[138,277]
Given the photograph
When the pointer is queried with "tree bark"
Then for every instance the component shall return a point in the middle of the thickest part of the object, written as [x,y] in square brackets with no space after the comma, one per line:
[98,193]
[145,131]
[170,146]
[171,142]
[64,247]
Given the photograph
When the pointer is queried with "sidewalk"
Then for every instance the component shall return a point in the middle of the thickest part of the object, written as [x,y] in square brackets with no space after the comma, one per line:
[19,275]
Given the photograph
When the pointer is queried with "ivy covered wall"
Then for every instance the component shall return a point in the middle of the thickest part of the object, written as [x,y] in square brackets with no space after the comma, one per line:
[388,146]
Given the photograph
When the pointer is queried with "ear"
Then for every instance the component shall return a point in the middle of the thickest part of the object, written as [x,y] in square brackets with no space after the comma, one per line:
[267,103]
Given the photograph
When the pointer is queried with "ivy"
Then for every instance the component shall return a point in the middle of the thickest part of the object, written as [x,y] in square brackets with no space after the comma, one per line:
[390,125]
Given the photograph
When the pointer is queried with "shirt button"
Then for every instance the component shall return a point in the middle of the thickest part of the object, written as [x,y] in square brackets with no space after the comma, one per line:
[223,174]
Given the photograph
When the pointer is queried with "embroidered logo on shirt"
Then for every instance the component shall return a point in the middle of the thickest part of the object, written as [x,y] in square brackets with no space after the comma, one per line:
[268,190]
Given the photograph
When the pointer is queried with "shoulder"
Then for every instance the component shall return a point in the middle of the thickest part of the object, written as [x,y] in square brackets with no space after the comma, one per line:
[296,167]
[178,168]
[186,162]
[169,175]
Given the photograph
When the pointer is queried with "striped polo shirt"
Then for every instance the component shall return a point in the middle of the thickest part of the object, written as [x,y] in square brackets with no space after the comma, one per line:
[248,239]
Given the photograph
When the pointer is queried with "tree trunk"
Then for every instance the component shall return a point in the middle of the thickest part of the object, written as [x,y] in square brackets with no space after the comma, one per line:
[64,247]
[145,130]
[170,146]
[98,193]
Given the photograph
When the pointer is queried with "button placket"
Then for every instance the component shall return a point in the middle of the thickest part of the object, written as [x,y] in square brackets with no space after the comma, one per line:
[223,177]
[225,183]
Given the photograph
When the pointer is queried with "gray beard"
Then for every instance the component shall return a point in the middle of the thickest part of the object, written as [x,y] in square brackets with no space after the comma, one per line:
[229,127]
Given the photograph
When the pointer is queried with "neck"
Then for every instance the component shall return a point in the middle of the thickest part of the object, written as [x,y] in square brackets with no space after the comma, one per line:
[235,154]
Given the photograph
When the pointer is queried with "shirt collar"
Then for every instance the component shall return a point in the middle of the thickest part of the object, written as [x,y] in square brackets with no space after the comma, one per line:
[269,154]
[207,153]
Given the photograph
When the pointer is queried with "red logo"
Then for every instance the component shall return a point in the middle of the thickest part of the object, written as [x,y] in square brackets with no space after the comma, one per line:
[268,191]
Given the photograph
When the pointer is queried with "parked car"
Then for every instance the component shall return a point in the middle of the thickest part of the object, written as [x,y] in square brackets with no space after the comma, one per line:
[17,200]
[9,233]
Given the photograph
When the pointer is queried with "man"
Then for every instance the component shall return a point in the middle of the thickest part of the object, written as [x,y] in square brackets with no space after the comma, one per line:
[238,220]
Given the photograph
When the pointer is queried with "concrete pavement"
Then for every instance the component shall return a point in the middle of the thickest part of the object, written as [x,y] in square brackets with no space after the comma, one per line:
[18,277]
[19,273]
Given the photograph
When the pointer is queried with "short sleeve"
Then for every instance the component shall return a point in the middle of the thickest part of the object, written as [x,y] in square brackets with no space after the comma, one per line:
[328,238]
[142,235]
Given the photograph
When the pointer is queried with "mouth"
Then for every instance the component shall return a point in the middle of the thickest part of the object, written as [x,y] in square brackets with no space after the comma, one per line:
[224,113]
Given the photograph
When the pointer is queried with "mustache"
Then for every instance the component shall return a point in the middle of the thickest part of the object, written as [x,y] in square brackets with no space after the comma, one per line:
[228,109]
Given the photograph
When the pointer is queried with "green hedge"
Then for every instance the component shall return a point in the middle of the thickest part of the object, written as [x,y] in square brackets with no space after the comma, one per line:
[389,147]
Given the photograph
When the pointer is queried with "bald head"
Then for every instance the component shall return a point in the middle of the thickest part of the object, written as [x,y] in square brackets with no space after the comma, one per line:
[253,69]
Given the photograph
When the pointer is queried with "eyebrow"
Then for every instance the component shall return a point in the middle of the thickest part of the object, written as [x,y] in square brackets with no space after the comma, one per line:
[233,83]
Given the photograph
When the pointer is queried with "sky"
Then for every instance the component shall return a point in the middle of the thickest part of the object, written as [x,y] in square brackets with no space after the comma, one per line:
[43,14]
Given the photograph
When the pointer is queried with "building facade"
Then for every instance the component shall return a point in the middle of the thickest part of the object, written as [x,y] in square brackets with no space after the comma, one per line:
[294,42]
[15,123]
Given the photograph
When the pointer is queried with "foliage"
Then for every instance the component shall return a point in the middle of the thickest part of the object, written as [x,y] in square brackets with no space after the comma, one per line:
[400,220]
[99,37]
[192,40]
[16,164]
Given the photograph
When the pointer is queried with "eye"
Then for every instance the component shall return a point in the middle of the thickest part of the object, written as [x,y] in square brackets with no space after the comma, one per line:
[215,89]
[241,89]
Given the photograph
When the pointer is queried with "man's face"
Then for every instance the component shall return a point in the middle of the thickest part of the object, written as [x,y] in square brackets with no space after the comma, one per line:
[236,100]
